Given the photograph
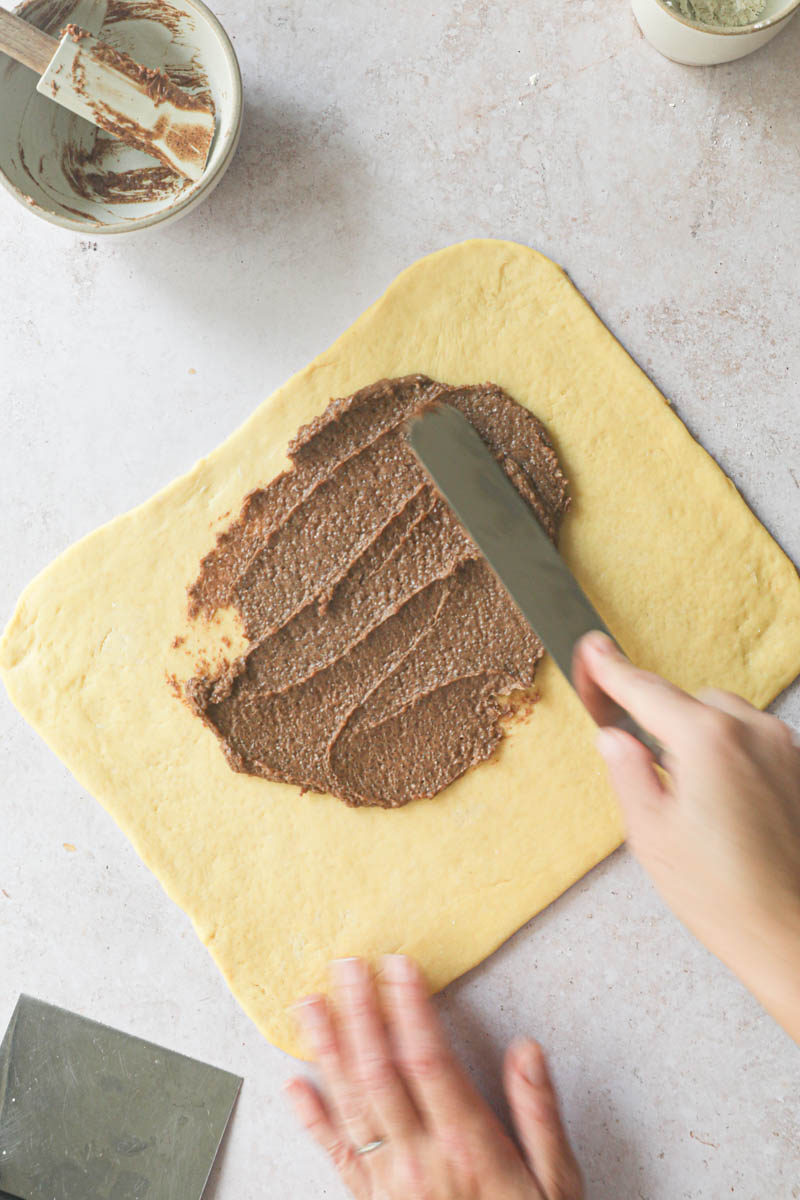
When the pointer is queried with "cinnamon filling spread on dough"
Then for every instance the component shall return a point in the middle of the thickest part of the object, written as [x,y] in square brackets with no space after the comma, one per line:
[381,645]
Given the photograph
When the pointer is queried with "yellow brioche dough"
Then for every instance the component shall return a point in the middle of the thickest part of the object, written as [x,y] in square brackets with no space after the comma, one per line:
[277,883]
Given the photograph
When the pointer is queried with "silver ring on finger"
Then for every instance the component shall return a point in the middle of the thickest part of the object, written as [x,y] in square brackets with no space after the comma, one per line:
[368,1147]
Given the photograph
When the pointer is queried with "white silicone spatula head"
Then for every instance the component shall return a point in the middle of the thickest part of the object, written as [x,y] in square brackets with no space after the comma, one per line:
[137,104]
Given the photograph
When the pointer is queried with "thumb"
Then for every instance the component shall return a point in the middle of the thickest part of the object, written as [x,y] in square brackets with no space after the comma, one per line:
[631,768]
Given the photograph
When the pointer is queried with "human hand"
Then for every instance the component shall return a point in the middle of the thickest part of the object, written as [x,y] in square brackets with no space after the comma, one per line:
[720,835]
[389,1074]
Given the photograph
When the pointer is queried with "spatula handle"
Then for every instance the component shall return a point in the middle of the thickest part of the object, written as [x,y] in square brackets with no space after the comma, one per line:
[25,43]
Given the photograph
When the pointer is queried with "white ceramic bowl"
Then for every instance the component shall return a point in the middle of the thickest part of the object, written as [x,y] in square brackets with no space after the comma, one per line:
[73,175]
[697,44]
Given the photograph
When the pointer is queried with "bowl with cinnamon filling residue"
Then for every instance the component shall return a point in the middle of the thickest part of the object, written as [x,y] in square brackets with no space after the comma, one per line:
[72,174]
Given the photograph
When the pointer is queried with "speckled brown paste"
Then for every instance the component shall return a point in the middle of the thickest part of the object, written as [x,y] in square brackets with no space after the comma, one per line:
[154,83]
[380,641]
[189,144]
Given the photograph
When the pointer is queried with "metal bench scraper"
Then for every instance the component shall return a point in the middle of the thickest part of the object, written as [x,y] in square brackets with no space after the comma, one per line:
[90,1113]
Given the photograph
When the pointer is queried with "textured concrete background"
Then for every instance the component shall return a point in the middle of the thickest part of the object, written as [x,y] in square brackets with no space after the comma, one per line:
[374,134]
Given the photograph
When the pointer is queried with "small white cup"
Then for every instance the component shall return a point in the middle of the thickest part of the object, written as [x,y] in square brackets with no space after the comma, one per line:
[701,45]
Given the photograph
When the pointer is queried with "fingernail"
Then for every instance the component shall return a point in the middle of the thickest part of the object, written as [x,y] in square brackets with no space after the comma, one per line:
[348,971]
[398,968]
[601,643]
[533,1065]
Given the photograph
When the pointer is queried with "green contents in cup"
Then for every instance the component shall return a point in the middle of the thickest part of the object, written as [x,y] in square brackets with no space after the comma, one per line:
[720,12]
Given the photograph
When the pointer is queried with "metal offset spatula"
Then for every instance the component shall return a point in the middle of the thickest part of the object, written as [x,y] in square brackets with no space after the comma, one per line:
[507,533]
[139,105]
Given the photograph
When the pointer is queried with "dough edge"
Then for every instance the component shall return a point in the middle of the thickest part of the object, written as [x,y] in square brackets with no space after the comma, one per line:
[272,911]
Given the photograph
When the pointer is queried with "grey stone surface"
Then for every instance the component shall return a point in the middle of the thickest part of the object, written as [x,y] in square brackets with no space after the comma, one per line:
[374,134]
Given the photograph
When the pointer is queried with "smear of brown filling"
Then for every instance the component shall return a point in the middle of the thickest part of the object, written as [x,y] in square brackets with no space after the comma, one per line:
[156,84]
[189,143]
[380,641]
[145,10]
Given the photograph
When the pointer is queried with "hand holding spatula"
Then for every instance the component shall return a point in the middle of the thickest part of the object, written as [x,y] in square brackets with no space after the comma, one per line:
[137,104]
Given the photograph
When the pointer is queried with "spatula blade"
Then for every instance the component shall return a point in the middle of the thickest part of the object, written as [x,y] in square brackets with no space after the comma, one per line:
[137,104]
[508,534]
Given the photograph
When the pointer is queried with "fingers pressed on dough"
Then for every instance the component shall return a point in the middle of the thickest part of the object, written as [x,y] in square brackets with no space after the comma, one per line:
[441,1091]
[367,1048]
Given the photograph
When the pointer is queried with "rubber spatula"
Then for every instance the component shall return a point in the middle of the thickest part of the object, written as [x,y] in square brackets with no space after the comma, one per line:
[139,105]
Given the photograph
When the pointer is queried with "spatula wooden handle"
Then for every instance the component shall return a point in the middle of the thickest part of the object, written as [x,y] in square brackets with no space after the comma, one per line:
[25,43]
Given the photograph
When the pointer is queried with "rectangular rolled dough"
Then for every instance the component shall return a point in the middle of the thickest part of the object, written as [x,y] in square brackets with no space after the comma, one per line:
[277,883]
